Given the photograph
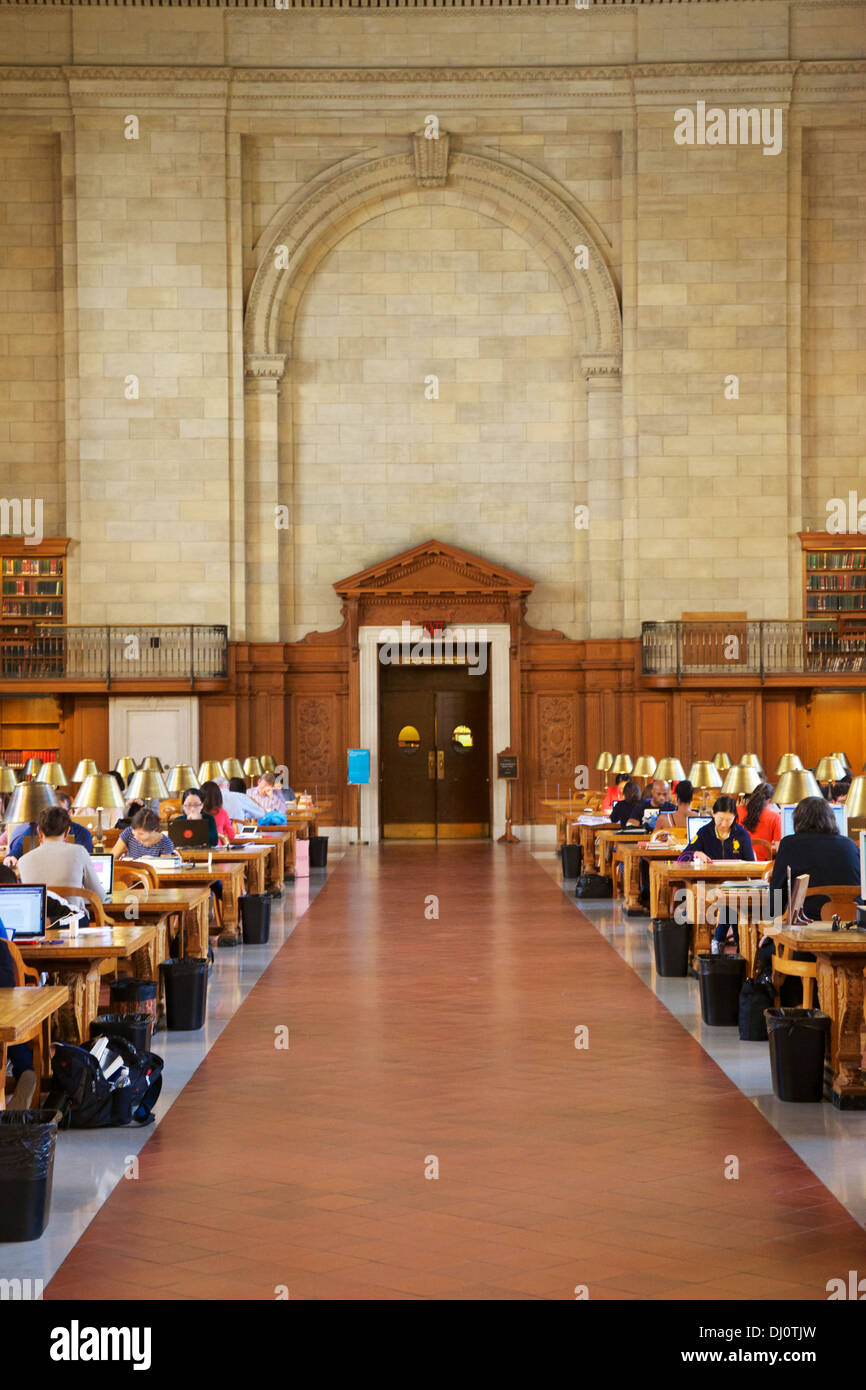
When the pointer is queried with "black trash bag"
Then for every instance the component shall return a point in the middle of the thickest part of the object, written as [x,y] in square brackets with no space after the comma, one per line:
[721,979]
[756,996]
[27,1139]
[798,1044]
[572,860]
[185,982]
[671,944]
[137,1028]
[96,1102]
[131,996]
[593,886]
[255,918]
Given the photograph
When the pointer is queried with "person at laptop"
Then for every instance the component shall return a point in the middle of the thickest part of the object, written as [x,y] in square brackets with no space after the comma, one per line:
[614,792]
[20,1054]
[678,819]
[58,860]
[816,848]
[762,819]
[212,801]
[79,834]
[236,803]
[268,795]
[721,838]
[143,837]
[193,810]
[628,810]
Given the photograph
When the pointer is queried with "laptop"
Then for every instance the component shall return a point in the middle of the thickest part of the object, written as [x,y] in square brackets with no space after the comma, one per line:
[103,867]
[189,834]
[247,832]
[22,910]
[694,824]
[788,819]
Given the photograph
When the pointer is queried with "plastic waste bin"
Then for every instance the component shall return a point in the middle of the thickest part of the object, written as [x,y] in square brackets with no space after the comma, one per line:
[185,984]
[756,997]
[318,851]
[302,859]
[721,979]
[572,855]
[136,1028]
[256,918]
[27,1139]
[129,996]
[798,1044]
[671,941]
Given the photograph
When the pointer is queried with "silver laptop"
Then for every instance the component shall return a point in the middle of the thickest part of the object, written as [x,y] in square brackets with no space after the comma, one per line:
[103,867]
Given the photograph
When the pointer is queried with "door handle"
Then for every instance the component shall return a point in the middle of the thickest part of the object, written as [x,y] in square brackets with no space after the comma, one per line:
[440,763]
[431,766]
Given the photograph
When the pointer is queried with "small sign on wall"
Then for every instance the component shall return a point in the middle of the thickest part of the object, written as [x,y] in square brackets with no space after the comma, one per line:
[359,766]
[506,765]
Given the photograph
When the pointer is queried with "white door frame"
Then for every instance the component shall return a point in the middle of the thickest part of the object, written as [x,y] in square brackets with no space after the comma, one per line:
[498,635]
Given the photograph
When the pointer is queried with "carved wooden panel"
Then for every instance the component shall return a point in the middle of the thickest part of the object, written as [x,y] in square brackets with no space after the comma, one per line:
[556,738]
[314,742]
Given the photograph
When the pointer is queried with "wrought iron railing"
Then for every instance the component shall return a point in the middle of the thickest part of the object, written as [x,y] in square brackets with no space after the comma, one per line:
[109,654]
[766,648]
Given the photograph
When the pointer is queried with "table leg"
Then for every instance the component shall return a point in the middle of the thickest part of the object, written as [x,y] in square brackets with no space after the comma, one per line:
[231,886]
[144,961]
[840,994]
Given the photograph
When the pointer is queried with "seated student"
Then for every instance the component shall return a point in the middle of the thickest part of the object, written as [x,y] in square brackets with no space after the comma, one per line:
[236,803]
[762,819]
[679,819]
[836,792]
[628,810]
[58,860]
[614,792]
[268,795]
[816,848]
[722,839]
[144,837]
[193,809]
[212,801]
[78,834]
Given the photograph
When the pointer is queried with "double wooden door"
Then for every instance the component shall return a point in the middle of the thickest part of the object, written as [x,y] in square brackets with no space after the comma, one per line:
[435,757]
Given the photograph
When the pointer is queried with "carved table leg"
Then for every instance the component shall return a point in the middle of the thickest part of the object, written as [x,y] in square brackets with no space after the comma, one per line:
[840,994]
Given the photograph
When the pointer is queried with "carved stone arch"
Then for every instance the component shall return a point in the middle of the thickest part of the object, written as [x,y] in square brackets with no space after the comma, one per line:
[312,227]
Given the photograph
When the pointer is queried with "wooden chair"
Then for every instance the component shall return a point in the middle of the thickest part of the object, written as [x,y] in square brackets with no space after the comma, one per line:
[24,975]
[131,873]
[783,963]
[840,906]
[169,809]
[91,899]
[765,844]
[110,837]
[839,893]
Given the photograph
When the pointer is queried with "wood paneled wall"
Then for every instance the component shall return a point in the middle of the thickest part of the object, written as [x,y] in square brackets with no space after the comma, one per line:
[575,699]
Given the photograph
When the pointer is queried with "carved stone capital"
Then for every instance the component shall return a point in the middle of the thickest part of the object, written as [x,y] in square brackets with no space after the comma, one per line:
[431,159]
[264,370]
[601,369]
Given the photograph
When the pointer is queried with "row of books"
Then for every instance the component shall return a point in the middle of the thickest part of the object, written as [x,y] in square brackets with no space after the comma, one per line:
[32,608]
[834,603]
[832,642]
[836,560]
[837,581]
[33,586]
[840,663]
[15,566]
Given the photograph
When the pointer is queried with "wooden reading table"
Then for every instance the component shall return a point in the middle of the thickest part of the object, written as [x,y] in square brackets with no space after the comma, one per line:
[75,958]
[664,874]
[841,958]
[231,876]
[250,857]
[25,1017]
[191,905]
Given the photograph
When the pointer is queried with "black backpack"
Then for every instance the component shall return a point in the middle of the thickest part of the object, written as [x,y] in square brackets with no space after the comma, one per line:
[89,1101]
[593,886]
[756,995]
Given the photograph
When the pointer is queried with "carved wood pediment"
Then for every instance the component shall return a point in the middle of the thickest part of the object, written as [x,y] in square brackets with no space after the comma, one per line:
[435,569]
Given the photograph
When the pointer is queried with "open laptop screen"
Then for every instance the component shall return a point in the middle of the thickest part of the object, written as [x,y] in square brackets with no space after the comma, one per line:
[788,819]
[103,867]
[696,823]
[22,910]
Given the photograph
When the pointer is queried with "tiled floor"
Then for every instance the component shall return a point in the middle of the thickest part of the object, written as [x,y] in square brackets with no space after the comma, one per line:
[418,1041]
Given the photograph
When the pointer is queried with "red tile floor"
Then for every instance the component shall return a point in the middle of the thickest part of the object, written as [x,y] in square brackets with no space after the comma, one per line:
[415,1038]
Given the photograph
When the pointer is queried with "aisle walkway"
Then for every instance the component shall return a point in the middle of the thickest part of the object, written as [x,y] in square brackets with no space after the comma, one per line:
[416,1041]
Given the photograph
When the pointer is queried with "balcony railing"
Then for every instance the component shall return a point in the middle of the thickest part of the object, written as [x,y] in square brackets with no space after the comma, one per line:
[109,654]
[771,648]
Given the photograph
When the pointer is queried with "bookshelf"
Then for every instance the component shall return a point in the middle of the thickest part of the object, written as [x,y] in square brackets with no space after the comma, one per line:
[32,599]
[834,601]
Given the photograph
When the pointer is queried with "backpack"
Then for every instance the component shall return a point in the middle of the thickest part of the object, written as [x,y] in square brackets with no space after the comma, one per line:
[90,1100]
[593,886]
[756,995]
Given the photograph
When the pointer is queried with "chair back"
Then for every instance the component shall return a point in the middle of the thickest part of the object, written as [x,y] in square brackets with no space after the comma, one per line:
[807,970]
[110,837]
[132,874]
[840,907]
[23,974]
[93,901]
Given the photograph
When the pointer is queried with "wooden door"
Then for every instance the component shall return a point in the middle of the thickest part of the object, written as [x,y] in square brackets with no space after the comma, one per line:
[463,753]
[408,764]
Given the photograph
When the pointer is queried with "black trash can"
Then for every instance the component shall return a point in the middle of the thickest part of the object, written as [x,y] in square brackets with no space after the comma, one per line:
[185,984]
[756,997]
[318,851]
[27,1139]
[136,1028]
[256,918]
[671,941]
[572,857]
[798,1044]
[721,979]
[129,996]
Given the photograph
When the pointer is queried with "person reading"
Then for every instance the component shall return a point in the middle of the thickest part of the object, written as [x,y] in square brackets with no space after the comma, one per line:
[678,819]
[761,819]
[58,860]
[722,838]
[144,836]
[193,809]
[629,810]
